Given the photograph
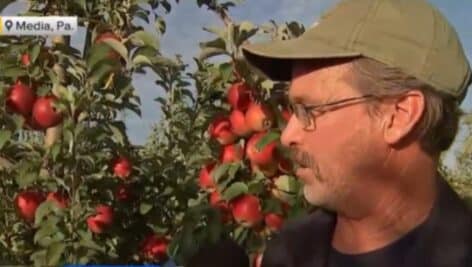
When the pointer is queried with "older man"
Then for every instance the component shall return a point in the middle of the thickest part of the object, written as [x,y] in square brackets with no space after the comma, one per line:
[375,89]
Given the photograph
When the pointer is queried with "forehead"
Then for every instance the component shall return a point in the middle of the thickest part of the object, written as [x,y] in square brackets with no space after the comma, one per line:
[315,82]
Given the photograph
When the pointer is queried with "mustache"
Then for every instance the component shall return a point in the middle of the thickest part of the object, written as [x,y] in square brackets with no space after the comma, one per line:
[305,160]
[302,158]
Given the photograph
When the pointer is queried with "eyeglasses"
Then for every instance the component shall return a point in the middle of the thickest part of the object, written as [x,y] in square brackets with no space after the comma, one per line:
[306,114]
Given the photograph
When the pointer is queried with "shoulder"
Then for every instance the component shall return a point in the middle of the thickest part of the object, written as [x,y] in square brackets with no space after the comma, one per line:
[297,238]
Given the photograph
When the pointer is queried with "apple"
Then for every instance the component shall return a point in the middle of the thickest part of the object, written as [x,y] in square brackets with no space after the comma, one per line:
[285,188]
[154,247]
[231,153]
[27,202]
[257,262]
[44,112]
[123,192]
[239,96]
[264,157]
[205,178]
[122,167]
[102,219]
[109,35]
[259,117]
[220,129]
[219,203]
[273,221]
[238,123]
[60,199]
[25,59]
[246,210]
[21,99]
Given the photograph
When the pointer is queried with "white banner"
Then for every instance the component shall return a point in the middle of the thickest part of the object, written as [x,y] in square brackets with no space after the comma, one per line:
[50,25]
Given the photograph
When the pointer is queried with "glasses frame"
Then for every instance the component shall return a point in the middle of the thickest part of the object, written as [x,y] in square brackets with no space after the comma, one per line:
[305,114]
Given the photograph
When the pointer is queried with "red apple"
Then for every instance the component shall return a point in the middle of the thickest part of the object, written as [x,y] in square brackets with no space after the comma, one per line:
[239,96]
[154,247]
[231,153]
[60,199]
[25,59]
[122,167]
[264,157]
[21,99]
[238,123]
[102,219]
[273,221]
[246,210]
[257,262]
[27,202]
[219,203]
[259,117]
[205,178]
[44,113]
[220,129]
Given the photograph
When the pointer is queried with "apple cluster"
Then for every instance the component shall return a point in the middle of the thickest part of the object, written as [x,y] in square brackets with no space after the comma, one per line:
[39,112]
[238,134]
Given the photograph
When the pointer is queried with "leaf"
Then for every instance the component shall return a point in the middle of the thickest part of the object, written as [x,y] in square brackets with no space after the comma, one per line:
[35,52]
[235,190]
[208,52]
[139,60]
[54,253]
[266,139]
[117,46]
[5,135]
[220,171]
[216,43]
[143,38]
[160,25]
[144,208]
[117,133]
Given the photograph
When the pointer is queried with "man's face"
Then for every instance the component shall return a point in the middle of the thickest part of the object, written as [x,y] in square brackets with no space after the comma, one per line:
[343,144]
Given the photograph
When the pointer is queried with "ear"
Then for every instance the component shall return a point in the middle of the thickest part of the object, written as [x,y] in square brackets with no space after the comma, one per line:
[403,115]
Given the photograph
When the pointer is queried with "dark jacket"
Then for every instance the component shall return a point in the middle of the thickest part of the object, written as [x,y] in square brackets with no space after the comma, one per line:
[445,241]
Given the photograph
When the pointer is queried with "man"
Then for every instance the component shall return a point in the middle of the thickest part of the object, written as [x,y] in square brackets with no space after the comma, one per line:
[375,89]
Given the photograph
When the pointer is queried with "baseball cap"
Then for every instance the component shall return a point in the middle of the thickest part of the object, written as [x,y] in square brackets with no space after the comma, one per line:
[411,35]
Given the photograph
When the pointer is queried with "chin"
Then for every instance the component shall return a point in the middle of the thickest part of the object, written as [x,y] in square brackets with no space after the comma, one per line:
[317,198]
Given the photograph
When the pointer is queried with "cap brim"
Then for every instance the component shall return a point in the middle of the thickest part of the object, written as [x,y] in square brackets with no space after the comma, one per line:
[275,59]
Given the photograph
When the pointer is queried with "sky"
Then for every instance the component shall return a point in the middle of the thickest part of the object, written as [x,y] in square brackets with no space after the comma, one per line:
[184,32]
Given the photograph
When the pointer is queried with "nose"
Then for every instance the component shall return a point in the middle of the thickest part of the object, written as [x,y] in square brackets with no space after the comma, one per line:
[292,133]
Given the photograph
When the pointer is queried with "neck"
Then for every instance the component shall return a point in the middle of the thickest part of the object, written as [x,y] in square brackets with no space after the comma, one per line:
[395,206]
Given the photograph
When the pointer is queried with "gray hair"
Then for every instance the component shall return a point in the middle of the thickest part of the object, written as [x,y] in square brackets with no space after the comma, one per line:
[439,123]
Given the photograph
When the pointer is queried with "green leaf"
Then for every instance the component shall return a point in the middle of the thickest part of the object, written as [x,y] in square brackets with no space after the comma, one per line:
[139,60]
[160,25]
[117,46]
[208,52]
[5,135]
[39,258]
[118,133]
[54,253]
[35,52]
[220,171]
[267,138]
[235,190]
[143,38]
[144,208]
[216,43]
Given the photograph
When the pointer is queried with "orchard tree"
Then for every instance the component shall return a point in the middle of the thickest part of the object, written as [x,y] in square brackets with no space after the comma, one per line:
[75,190]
